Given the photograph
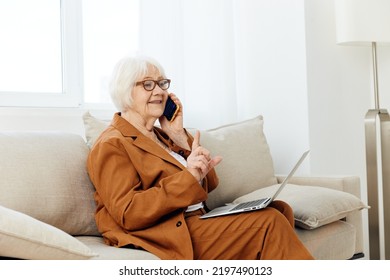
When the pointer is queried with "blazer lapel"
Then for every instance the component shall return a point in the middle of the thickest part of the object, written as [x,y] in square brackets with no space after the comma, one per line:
[141,141]
[152,147]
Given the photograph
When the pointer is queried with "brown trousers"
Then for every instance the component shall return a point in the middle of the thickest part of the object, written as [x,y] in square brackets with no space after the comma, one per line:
[267,234]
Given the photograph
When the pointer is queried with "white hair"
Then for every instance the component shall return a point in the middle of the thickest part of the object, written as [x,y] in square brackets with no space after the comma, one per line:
[126,73]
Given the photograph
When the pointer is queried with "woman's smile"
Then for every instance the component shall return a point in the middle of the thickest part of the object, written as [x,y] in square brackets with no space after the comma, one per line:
[156,102]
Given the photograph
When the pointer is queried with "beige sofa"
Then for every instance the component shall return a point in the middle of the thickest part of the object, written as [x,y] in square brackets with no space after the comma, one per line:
[47,206]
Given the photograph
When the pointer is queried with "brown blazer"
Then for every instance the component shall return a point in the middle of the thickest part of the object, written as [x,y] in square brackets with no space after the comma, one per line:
[142,191]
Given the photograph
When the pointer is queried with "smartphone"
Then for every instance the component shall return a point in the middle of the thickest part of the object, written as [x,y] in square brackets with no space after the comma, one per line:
[171,109]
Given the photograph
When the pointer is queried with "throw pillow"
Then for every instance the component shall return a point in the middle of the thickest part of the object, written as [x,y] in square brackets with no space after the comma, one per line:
[246,160]
[93,128]
[24,237]
[313,206]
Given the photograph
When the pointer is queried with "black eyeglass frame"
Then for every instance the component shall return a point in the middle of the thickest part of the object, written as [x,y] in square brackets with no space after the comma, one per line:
[168,81]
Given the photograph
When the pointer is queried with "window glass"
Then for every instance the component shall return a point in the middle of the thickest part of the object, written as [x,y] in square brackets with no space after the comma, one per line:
[110,31]
[30,48]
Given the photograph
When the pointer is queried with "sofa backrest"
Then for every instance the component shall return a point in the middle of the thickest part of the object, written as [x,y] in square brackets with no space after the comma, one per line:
[44,175]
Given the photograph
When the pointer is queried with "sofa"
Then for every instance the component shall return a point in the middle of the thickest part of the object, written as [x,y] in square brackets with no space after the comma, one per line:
[47,199]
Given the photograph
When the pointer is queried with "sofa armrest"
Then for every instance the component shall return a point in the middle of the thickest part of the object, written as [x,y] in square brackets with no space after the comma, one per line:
[349,184]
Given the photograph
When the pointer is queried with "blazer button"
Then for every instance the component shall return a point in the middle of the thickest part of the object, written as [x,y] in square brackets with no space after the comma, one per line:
[178,224]
[181,152]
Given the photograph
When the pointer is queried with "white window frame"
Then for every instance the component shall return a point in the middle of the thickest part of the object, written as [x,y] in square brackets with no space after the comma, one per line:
[72,66]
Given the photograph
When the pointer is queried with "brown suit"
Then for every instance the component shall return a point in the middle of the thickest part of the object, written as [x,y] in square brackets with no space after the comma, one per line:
[142,193]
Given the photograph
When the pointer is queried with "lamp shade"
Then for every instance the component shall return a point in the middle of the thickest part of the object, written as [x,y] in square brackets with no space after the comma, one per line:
[361,22]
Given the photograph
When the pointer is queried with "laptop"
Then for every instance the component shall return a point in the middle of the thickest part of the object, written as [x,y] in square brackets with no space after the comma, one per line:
[255,204]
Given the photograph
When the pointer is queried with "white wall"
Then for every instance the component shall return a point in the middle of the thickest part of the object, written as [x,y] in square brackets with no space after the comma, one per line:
[47,119]
[339,93]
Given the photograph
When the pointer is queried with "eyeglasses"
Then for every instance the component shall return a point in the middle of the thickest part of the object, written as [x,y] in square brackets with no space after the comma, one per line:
[149,85]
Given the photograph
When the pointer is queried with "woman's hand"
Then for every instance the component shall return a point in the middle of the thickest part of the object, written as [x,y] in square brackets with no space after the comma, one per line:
[200,162]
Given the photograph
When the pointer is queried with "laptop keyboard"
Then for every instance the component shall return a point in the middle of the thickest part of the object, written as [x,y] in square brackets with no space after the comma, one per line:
[248,204]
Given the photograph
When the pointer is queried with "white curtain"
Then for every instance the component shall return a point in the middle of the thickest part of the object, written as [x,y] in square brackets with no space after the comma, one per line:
[194,41]
[230,60]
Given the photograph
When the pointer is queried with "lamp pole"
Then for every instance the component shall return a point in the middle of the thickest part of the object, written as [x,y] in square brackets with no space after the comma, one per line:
[378,181]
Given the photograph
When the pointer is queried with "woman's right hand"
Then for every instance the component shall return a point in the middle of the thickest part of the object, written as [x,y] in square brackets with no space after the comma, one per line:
[200,162]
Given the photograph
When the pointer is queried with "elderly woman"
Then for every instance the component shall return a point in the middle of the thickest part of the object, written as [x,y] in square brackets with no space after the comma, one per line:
[152,183]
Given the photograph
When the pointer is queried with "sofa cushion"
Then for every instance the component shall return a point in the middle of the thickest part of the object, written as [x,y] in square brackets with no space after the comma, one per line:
[247,163]
[336,241]
[114,253]
[44,175]
[93,127]
[313,206]
[240,144]
[24,237]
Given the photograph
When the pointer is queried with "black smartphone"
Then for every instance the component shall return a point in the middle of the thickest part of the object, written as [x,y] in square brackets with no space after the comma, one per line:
[170,110]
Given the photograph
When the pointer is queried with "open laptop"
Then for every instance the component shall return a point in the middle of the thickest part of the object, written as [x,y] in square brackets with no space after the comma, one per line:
[255,204]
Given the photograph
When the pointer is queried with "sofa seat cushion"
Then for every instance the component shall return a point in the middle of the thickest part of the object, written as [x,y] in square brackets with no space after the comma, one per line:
[106,252]
[336,241]
[44,175]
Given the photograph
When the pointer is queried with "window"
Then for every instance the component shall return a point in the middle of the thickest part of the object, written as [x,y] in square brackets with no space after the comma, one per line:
[31,52]
[110,31]
[38,62]
[60,53]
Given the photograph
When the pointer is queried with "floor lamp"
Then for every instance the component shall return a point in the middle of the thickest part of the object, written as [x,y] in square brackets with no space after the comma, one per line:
[367,22]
